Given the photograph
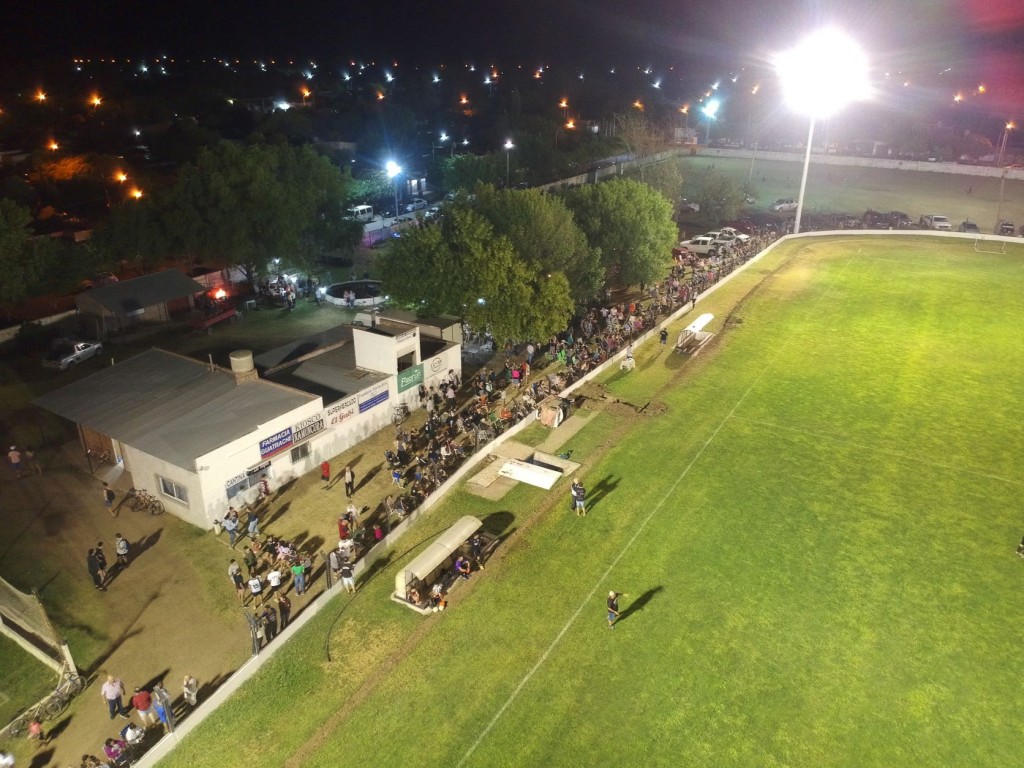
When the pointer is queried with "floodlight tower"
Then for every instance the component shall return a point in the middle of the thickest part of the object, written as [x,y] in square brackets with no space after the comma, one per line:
[826,71]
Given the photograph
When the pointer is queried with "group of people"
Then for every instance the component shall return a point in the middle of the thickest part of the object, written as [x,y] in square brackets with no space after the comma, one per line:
[23,461]
[96,562]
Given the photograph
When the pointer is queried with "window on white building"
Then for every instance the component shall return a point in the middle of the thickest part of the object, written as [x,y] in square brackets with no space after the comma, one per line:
[172,489]
[300,452]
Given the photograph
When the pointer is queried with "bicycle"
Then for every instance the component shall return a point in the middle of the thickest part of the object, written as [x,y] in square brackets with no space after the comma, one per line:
[141,501]
[400,413]
[101,455]
[70,685]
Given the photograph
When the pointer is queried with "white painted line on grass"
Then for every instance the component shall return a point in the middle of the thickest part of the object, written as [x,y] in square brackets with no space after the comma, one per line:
[590,595]
[876,449]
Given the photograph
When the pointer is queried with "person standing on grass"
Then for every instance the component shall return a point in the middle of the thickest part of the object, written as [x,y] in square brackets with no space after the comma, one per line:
[230,524]
[348,579]
[299,577]
[14,457]
[108,498]
[94,570]
[101,560]
[235,574]
[143,703]
[112,691]
[284,609]
[325,473]
[663,336]
[579,495]
[122,549]
[613,608]
[350,481]
[190,690]
[254,524]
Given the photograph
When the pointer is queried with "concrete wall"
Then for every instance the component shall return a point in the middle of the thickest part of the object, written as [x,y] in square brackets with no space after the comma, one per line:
[7,334]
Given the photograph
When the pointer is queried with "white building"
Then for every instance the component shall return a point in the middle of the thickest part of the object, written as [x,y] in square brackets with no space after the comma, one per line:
[201,437]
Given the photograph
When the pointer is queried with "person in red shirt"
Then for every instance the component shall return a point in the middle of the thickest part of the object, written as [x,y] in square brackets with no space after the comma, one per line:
[325,473]
[143,703]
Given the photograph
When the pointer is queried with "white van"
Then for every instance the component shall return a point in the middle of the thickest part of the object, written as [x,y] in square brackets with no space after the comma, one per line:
[361,213]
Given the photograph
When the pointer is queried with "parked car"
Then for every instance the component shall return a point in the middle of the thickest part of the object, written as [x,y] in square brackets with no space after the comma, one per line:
[875,219]
[416,204]
[1005,228]
[689,205]
[702,246]
[969,226]
[103,278]
[66,354]
[934,221]
[900,220]
[784,204]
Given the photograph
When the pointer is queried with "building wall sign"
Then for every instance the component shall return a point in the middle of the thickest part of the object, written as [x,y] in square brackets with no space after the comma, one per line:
[342,410]
[410,377]
[373,396]
[405,336]
[307,428]
[274,444]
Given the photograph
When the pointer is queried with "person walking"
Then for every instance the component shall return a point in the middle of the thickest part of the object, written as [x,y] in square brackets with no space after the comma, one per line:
[613,608]
[112,691]
[122,549]
[108,499]
[163,704]
[14,457]
[30,459]
[350,481]
[254,524]
[94,570]
[251,564]
[348,579]
[325,473]
[663,336]
[269,617]
[230,524]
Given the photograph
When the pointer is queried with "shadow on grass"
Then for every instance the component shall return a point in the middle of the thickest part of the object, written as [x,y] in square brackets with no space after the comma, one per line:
[129,631]
[639,604]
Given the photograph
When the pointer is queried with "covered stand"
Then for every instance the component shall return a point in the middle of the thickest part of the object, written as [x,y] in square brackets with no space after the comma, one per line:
[693,337]
[427,566]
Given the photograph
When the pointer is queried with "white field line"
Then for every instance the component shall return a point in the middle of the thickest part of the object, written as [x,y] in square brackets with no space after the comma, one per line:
[875,449]
[590,595]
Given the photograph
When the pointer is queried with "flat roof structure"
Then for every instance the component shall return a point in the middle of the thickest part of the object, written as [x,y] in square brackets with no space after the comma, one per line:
[172,407]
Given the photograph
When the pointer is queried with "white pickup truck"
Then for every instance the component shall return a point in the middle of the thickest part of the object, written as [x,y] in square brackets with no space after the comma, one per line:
[704,245]
[934,221]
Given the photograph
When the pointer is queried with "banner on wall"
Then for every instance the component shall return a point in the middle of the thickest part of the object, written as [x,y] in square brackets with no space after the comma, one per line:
[306,428]
[373,396]
[273,445]
[342,410]
[410,377]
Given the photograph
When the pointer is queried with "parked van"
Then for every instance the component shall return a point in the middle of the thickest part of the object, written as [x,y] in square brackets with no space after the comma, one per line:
[361,213]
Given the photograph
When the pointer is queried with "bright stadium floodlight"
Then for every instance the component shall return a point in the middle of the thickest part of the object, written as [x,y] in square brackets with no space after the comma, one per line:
[826,71]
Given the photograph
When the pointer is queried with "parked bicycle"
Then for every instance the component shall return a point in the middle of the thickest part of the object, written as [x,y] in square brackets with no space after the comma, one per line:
[71,684]
[141,501]
[101,455]
[400,413]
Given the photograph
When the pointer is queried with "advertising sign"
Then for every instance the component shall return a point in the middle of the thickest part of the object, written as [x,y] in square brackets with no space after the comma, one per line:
[373,396]
[274,444]
[410,377]
[342,410]
[307,428]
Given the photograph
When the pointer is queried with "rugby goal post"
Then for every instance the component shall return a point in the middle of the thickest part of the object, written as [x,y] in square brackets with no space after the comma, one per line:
[980,242]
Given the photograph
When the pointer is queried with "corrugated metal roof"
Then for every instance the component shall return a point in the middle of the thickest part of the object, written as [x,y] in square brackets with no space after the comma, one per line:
[128,296]
[170,406]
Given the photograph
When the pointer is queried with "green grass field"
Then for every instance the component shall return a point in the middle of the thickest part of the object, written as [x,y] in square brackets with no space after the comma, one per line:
[815,536]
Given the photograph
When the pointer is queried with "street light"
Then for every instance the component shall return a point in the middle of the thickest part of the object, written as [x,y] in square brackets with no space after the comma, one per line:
[1002,144]
[710,111]
[822,74]
[569,126]
[393,170]
[508,149]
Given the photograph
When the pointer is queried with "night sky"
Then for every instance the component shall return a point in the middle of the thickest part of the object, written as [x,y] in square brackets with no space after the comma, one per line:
[982,35]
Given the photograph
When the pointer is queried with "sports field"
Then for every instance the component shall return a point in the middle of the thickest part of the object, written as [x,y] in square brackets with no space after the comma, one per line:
[814,523]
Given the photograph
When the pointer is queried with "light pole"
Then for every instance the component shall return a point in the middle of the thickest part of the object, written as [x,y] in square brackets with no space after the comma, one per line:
[1002,144]
[508,150]
[710,111]
[822,74]
[393,170]
[568,126]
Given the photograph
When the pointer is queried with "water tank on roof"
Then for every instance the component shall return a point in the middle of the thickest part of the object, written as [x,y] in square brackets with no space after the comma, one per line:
[241,361]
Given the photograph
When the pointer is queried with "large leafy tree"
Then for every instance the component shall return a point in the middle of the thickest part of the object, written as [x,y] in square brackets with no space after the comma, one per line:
[630,225]
[25,261]
[133,234]
[461,267]
[721,197]
[544,235]
[247,205]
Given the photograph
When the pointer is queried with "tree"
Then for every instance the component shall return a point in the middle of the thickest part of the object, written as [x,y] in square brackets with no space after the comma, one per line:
[24,261]
[665,177]
[132,234]
[639,136]
[721,197]
[247,205]
[461,267]
[544,235]
[466,171]
[629,224]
